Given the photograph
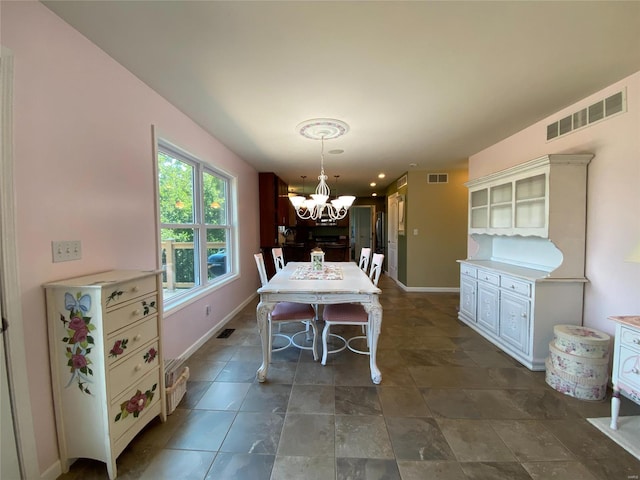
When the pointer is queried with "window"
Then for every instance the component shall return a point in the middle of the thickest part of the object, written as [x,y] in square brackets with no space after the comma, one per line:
[195,224]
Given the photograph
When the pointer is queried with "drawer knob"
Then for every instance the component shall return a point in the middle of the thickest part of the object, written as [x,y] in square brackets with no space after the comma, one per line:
[138,367]
[523,315]
[136,312]
[636,340]
[634,370]
[486,278]
[141,402]
[513,287]
[137,337]
[135,288]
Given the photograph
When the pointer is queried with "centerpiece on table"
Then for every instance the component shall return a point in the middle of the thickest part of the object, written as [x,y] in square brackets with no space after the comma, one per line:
[317,260]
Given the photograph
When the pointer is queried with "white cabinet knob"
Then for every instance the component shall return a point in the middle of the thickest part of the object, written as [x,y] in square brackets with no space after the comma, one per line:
[135,288]
[141,402]
[138,367]
[137,337]
[136,312]
[523,315]
[636,340]
[513,287]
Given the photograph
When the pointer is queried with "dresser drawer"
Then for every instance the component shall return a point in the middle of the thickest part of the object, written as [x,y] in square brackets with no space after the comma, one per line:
[629,367]
[129,313]
[630,338]
[125,291]
[489,277]
[468,270]
[132,369]
[130,406]
[122,343]
[516,286]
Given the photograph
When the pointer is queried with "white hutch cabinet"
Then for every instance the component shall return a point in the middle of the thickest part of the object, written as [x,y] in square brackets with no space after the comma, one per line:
[527,274]
[106,362]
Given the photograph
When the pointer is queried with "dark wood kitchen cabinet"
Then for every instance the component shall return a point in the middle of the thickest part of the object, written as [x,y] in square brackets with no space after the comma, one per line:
[275,207]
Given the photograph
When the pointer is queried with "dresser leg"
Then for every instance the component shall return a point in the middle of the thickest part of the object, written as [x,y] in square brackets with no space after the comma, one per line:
[112,469]
[615,408]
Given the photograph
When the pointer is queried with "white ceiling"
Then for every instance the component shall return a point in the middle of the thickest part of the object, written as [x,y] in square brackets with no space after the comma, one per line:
[429,83]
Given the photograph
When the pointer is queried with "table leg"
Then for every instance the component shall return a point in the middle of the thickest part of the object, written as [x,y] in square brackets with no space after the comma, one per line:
[375,324]
[263,310]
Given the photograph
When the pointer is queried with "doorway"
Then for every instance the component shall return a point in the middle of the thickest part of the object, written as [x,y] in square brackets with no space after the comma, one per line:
[392,236]
[360,229]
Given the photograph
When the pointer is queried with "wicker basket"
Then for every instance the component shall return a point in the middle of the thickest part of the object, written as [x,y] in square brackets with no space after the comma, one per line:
[176,391]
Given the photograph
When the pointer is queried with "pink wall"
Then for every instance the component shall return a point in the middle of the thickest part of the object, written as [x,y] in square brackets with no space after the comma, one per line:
[613,204]
[84,171]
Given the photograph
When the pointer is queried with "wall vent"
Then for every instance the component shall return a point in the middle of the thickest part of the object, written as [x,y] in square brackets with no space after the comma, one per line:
[612,105]
[402,181]
[437,178]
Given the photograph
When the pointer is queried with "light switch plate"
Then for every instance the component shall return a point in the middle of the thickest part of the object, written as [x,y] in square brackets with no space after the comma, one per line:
[66,250]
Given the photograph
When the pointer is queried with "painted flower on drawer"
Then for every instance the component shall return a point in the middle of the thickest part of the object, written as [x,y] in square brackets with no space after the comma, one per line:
[150,356]
[119,347]
[136,404]
[78,339]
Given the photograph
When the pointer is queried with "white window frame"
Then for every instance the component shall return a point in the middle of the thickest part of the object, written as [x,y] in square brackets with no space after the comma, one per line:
[203,283]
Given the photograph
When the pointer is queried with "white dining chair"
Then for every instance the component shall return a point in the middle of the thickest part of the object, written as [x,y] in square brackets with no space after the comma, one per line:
[350,314]
[365,253]
[288,312]
[278,258]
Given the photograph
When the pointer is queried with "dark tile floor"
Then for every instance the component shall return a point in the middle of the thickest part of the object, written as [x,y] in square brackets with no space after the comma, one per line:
[450,406]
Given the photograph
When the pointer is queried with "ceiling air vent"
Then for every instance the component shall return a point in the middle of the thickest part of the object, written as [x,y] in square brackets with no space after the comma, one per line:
[616,103]
[437,178]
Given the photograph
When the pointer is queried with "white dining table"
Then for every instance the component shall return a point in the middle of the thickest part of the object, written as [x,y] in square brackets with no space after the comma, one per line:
[289,285]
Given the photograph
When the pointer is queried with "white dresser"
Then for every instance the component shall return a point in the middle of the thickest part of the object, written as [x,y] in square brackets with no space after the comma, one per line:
[106,361]
[626,363]
[527,273]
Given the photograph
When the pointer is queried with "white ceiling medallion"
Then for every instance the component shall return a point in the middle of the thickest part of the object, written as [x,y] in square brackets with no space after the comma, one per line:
[322,128]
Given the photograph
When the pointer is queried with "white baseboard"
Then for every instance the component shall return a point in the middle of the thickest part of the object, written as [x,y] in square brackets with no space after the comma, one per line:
[427,289]
[55,470]
[214,331]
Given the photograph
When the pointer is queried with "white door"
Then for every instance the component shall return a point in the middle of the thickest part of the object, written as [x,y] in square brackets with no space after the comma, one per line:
[361,219]
[392,236]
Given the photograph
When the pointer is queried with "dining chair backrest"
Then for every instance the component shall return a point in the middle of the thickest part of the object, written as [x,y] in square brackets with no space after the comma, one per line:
[365,253]
[376,268]
[262,271]
[278,258]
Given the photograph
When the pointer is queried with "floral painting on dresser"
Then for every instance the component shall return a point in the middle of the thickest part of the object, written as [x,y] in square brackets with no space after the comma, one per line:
[78,339]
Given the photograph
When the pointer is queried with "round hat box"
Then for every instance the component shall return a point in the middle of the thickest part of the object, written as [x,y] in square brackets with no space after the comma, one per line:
[574,365]
[582,388]
[581,341]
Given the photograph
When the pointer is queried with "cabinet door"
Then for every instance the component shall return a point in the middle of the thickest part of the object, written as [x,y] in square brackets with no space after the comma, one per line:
[514,321]
[468,297]
[283,203]
[488,306]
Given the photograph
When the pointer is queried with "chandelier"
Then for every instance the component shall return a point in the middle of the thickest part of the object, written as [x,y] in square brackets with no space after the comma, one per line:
[316,207]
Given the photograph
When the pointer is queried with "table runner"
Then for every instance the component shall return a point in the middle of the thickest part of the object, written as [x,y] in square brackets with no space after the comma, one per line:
[328,272]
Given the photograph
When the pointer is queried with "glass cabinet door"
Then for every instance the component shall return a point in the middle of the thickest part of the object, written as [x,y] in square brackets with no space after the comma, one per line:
[479,208]
[501,206]
[530,202]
